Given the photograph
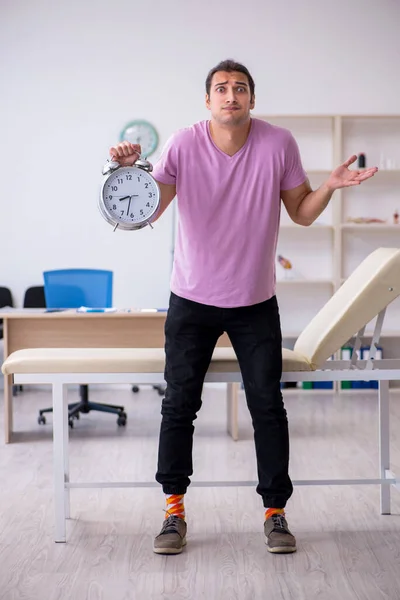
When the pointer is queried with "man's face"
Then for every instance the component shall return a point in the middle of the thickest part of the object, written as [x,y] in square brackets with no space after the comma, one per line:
[229,100]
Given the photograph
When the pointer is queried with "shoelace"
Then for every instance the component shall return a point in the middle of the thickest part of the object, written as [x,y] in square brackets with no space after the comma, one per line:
[279,523]
[170,525]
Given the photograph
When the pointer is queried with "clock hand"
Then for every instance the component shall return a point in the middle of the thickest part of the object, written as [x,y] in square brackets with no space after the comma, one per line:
[133,196]
[124,198]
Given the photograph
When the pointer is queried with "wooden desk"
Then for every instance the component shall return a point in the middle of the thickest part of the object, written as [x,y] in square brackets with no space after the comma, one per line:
[69,329]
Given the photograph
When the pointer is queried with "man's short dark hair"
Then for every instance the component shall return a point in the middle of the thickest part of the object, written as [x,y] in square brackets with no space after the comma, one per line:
[229,66]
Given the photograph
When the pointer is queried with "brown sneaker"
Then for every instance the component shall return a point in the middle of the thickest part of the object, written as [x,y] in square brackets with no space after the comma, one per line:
[172,536]
[277,535]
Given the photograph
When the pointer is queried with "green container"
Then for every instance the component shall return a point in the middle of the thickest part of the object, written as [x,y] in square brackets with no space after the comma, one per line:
[346,353]
[345,385]
[307,385]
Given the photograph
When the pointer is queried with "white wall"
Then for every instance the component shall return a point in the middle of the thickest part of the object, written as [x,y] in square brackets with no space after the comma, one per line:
[73,73]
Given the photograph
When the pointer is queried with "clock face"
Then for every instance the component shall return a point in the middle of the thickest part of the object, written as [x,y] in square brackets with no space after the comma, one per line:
[130,196]
[143,133]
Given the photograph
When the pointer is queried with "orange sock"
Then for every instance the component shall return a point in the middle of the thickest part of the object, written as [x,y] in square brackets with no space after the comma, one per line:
[175,505]
[274,511]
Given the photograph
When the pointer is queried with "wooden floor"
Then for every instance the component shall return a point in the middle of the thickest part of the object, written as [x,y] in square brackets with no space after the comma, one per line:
[346,550]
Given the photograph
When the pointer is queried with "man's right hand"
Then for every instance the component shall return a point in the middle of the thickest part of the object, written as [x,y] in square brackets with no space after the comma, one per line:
[125,153]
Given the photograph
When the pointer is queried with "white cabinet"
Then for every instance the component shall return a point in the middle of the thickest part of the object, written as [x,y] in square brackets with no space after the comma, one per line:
[325,254]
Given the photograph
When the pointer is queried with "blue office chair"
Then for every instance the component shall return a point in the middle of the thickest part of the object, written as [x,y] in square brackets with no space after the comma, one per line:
[73,288]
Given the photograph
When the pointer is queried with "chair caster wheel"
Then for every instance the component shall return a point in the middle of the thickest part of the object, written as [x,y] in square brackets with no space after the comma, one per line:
[71,423]
[135,389]
[121,421]
[159,389]
[41,420]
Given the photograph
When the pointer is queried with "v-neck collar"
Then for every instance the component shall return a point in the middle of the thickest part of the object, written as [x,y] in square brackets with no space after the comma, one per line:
[240,151]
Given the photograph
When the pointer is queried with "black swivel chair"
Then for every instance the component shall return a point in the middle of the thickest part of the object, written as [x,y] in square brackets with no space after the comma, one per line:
[6,299]
[34,297]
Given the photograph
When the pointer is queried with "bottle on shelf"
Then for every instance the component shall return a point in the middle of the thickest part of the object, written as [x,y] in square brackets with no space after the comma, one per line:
[361,161]
[287,266]
[396,217]
[387,163]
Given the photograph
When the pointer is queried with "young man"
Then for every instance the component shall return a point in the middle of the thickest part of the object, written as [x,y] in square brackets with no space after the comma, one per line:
[230,174]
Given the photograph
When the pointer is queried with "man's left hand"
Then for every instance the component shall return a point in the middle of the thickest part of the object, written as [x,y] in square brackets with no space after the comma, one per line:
[342,176]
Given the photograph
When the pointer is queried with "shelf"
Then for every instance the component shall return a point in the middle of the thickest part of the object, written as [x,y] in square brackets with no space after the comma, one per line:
[305,282]
[380,172]
[298,390]
[389,333]
[371,226]
[319,226]
[359,117]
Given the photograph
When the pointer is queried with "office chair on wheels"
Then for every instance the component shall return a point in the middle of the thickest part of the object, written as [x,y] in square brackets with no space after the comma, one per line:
[73,288]
[159,388]
[33,298]
[5,300]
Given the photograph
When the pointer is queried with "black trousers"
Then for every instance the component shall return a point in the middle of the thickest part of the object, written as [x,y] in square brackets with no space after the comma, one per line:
[191,333]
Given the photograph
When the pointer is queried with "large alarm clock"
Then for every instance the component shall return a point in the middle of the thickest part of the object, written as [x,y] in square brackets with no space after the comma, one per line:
[143,133]
[129,197]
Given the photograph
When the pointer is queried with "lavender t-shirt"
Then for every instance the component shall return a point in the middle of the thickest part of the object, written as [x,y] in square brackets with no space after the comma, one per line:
[229,210]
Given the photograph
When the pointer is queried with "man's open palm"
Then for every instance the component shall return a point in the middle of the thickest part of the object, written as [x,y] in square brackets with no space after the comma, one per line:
[342,176]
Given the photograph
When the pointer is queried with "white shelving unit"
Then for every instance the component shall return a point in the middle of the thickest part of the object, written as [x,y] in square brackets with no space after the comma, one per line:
[325,254]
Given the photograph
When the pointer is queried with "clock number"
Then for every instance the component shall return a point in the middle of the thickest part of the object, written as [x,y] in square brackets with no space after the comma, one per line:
[120,181]
[148,204]
[110,197]
[146,185]
[114,207]
[114,188]
[141,212]
[150,194]
[129,177]
[122,212]
[138,179]
[132,215]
